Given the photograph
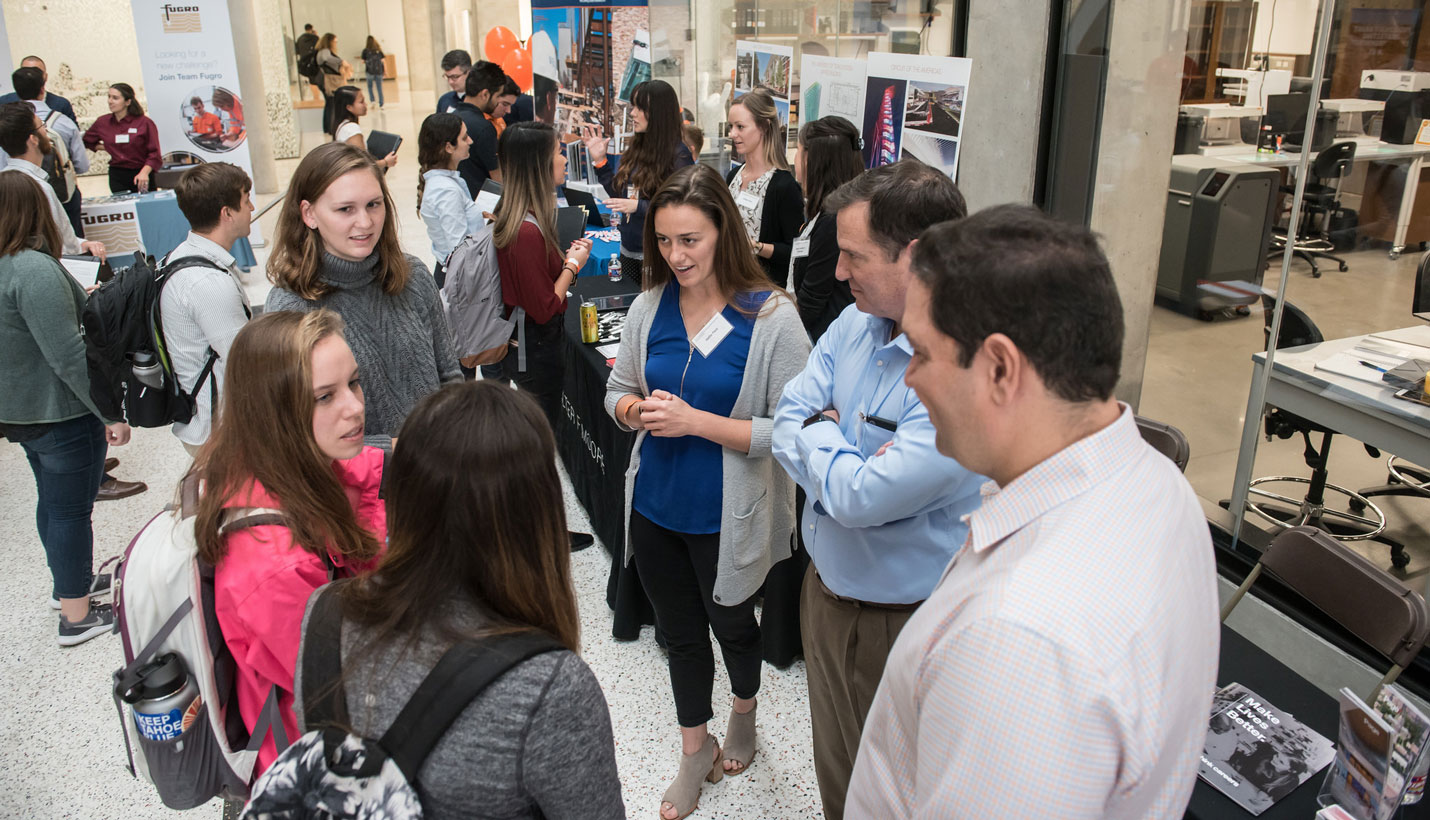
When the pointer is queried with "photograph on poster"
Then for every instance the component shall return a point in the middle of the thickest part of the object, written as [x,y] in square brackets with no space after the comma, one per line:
[637,67]
[762,64]
[934,108]
[883,120]
[592,47]
[212,119]
[930,150]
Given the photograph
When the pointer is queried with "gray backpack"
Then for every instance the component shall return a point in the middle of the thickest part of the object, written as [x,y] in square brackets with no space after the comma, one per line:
[472,298]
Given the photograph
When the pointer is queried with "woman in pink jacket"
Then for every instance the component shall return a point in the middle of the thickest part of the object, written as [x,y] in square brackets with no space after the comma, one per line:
[290,439]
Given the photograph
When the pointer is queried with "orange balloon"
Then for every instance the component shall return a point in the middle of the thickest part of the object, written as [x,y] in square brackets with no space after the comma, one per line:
[499,43]
[517,66]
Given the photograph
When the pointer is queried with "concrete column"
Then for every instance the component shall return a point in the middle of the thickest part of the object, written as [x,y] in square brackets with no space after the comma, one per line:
[274,55]
[1008,44]
[250,77]
[426,43]
[1139,120]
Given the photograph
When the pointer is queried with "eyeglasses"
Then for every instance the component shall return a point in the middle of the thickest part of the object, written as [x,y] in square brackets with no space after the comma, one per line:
[455,75]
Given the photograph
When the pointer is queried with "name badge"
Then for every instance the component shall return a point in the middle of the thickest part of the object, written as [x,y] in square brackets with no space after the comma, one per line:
[121,137]
[134,130]
[747,200]
[712,334]
[801,249]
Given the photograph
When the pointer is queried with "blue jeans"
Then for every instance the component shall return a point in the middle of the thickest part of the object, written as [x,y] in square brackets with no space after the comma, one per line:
[375,79]
[68,462]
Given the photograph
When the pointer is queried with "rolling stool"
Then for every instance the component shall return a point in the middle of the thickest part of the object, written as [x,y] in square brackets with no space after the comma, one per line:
[1334,163]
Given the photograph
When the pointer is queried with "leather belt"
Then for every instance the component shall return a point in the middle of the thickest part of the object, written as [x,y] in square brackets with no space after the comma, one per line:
[862,604]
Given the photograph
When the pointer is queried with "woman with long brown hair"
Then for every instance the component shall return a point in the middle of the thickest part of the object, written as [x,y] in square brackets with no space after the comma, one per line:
[290,438]
[655,150]
[828,156]
[336,247]
[535,271]
[130,138]
[46,406]
[707,349]
[477,547]
[443,199]
[767,195]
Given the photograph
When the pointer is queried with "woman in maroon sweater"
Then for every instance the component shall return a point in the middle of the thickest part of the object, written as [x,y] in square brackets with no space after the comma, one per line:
[130,138]
[535,273]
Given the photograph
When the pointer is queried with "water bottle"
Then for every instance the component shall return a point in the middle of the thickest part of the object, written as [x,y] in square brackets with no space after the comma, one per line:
[166,698]
[147,369]
[613,268]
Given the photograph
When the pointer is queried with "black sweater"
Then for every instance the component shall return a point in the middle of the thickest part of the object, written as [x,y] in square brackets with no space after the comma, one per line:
[779,222]
[820,295]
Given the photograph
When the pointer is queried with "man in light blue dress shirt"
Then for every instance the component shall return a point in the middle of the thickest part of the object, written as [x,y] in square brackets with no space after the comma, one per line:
[883,509]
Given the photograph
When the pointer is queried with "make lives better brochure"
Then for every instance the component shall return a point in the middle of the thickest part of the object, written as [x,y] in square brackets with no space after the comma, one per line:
[1257,754]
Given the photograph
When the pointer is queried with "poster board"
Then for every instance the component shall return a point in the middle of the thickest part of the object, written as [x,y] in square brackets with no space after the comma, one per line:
[766,65]
[588,47]
[913,106]
[191,83]
[832,86]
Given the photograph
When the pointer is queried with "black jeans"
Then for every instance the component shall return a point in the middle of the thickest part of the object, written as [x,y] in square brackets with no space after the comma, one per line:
[121,180]
[545,367]
[678,572]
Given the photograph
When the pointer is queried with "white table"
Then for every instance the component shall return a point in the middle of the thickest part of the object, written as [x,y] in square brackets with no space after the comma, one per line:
[1360,410]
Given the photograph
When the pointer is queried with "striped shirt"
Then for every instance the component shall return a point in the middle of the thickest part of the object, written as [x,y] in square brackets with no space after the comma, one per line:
[1064,665]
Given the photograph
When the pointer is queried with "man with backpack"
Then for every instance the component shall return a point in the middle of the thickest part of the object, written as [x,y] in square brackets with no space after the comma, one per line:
[202,305]
[68,159]
[24,137]
[306,49]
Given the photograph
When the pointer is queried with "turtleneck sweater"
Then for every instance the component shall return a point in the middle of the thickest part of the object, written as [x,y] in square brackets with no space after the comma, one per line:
[400,341]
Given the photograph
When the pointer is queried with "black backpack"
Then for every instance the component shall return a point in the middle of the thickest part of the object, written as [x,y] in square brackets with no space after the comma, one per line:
[121,321]
[331,772]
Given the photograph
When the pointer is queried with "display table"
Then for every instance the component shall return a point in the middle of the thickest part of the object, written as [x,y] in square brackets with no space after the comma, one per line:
[150,222]
[596,454]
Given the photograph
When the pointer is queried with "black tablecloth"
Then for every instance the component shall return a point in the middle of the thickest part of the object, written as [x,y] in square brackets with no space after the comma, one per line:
[596,454]
[1245,663]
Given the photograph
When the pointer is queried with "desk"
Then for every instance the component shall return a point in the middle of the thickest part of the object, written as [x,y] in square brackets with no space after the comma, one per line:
[1412,155]
[1361,410]
[596,454]
[150,222]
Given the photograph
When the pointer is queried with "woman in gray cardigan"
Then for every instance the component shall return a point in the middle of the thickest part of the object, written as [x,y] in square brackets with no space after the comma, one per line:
[705,355]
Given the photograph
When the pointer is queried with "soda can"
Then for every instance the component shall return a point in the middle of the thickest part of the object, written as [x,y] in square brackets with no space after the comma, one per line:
[590,331]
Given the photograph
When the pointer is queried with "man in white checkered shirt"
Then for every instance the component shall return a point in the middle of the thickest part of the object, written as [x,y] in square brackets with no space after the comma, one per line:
[1064,665]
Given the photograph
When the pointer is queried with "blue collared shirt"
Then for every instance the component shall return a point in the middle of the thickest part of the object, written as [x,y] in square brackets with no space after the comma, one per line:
[878,528]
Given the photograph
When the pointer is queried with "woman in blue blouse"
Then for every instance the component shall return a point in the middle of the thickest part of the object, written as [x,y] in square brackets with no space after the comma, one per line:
[707,349]
[443,200]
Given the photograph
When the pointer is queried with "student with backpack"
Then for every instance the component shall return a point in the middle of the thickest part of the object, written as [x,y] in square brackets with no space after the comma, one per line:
[443,200]
[372,62]
[46,406]
[477,461]
[68,158]
[203,305]
[336,247]
[535,272]
[24,137]
[290,440]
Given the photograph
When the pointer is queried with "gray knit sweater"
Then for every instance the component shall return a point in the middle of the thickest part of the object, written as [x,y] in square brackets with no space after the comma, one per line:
[536,743]
[401,342]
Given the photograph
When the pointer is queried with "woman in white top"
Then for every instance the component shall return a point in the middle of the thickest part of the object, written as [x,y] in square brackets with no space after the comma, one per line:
[349,106]
[767,195]
[443,199]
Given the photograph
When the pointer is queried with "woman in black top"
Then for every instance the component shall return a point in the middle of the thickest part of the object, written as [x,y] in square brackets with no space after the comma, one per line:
[828,156]
[655,151]
[765,192]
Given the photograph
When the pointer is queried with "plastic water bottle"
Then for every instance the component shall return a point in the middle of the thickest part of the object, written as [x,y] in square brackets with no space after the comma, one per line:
[613,268]
[166,700]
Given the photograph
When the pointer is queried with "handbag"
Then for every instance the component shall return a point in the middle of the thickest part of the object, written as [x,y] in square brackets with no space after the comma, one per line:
[332,82]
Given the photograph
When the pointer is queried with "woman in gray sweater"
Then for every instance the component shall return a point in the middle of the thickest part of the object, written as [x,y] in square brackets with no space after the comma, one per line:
[46,406]
[477,547]
[337,248]
[705,354]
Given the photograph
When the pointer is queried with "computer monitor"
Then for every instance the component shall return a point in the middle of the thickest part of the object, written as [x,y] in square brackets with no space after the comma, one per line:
[1286,115]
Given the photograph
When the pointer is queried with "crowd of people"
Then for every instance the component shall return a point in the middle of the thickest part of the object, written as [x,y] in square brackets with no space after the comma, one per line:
[821,360]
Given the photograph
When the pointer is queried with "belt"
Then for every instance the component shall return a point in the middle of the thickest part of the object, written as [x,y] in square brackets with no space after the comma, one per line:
[862,604]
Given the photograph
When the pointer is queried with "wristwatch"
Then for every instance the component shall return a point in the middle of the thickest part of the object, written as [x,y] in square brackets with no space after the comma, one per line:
[815,419]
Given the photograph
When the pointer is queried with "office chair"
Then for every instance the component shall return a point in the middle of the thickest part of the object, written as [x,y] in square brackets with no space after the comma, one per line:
[1332,164]
[1166,440]
[1360,596]
[1298,329]
[1402,477]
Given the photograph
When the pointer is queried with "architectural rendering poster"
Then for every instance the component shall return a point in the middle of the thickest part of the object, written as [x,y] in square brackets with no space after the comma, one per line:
[913,107]
[191,83]
[763,65]
[592,45]
[832,87]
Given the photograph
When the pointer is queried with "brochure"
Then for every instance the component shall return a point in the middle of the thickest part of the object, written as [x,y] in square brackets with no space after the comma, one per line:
[1357,780]
[1257,754]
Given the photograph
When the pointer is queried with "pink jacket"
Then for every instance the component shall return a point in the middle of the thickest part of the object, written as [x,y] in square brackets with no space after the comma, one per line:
[261,589]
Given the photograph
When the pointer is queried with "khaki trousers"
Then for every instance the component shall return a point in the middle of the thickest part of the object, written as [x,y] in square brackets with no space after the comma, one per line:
[845,645]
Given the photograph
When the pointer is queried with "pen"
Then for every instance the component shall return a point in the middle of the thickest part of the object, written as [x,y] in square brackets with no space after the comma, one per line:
[882,424]
[1371,366]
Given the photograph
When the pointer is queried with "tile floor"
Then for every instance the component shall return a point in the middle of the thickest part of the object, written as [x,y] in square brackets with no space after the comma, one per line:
[61,754]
